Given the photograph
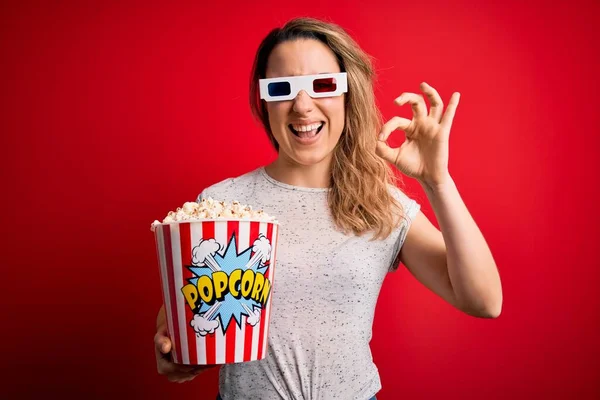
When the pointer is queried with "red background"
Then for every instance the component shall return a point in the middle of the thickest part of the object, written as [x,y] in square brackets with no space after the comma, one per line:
[113,114]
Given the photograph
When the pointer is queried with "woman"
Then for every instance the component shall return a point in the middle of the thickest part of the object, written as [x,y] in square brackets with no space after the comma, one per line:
[344,223]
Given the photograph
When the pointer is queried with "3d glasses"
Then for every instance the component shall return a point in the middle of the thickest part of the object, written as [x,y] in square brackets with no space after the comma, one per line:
[287,87]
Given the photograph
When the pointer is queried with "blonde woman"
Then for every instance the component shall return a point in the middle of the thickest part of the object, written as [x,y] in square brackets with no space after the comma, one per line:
[345,223]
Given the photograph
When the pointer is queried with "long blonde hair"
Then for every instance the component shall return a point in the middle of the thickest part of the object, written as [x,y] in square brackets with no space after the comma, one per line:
[359,199]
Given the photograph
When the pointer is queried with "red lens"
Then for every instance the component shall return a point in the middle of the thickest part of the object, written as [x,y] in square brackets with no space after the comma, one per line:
[324,85]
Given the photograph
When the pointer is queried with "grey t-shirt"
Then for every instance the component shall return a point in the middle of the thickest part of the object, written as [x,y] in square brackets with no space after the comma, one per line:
[324,293]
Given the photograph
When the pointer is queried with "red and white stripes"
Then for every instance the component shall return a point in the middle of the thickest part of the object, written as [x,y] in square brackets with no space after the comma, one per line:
[174,244]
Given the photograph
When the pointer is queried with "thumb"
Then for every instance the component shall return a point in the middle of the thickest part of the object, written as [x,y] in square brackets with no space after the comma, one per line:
[165,345]
[386,152]
[163,342]
[383,150]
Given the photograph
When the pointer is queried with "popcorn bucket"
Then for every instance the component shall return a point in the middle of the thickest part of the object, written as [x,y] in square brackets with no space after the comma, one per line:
[217,280]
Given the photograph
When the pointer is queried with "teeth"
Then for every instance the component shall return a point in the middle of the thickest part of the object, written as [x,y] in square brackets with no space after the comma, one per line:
[306,128]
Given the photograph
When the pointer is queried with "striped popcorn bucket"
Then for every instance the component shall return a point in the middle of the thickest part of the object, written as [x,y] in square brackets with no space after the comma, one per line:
[217,279]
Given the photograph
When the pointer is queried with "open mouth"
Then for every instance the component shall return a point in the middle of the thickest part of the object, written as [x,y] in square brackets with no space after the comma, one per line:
[307,133]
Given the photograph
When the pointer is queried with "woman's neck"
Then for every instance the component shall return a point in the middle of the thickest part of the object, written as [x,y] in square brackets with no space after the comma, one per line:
[310,176]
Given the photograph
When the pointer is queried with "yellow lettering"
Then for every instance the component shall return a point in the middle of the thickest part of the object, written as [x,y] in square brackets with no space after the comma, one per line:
[205,288]
[220,282]
[247,283]
[239,283]
[259,281]
[190,293]
[234,278]
[265,293]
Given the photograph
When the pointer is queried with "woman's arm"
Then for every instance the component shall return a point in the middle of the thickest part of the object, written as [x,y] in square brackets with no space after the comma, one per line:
[455,263]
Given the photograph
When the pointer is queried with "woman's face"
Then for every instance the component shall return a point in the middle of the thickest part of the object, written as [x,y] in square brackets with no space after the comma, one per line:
[305,57]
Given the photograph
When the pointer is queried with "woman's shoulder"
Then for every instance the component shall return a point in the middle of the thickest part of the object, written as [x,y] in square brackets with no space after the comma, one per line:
[410,202]
[232,187]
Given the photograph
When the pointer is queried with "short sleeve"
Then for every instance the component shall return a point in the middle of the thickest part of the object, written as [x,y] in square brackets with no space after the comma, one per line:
[201,196]
[411,209]
[219,191]
[205,194]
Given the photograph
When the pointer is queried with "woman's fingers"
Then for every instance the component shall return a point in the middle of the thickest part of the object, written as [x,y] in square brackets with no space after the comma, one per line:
[181,377]
[164,360]
[393,124]
[170,369]
[450,111]
[437,105]
[162,342]
[383,149]
[386,152]
[416,101]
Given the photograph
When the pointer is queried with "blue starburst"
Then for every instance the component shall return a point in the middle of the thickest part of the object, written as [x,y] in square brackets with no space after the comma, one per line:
[231,308]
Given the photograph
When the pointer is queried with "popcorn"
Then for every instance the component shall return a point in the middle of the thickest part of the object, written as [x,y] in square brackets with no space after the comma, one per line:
[212,209]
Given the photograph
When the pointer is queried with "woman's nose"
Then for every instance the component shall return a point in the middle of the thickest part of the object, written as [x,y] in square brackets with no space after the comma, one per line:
[303,103]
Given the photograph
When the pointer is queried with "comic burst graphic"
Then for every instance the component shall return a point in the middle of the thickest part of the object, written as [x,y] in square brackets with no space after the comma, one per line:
[206,261]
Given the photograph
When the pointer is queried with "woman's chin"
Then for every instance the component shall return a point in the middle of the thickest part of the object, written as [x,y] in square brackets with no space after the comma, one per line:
[307,155]
[313,158]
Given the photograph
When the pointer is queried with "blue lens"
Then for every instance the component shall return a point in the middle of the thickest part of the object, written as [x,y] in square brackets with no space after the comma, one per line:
[279,89]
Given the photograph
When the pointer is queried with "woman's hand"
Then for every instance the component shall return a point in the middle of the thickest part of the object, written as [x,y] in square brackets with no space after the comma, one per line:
[162,348]
[424,153]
